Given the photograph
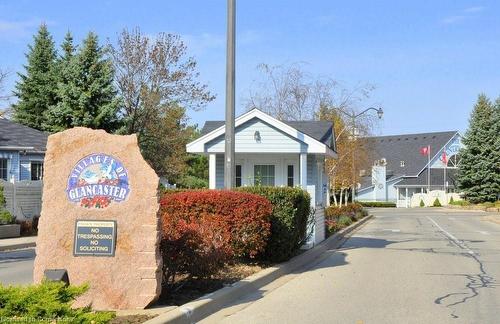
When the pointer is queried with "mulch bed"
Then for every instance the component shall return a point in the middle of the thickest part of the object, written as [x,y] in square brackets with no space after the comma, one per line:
[186,290]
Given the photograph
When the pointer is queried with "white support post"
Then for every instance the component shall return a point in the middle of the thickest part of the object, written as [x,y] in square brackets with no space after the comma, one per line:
[212,174]
[397,196]
[406,198]
[303,170]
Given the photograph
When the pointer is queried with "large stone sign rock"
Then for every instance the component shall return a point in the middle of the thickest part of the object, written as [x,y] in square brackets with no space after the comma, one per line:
[99,218]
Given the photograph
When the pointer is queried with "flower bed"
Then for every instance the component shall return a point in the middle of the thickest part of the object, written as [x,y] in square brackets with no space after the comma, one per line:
[339,217]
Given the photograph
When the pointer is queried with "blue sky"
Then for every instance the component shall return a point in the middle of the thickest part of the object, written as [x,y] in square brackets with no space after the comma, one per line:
[428,59]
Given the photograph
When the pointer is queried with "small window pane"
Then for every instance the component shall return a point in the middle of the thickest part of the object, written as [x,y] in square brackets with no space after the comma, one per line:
[3,169]
[36,171]
[290,176]
[238,176]
[263,175]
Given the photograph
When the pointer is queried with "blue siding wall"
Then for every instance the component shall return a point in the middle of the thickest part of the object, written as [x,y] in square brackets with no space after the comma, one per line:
[272,140]
[12,163]
[25,164]
[19,164]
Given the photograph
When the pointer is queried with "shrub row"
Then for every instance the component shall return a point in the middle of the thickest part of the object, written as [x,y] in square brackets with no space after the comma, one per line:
[5,217]
[202,230]
[377,203]
[48,302]
[289,220]
[339,217]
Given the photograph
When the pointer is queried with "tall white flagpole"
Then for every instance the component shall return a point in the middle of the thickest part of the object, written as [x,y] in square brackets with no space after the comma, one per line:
[429,169]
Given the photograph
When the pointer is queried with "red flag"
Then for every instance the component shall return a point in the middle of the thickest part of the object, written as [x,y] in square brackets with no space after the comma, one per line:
[444,158]
[424,150]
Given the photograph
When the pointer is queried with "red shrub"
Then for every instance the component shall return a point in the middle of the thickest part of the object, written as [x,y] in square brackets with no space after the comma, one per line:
[206,228]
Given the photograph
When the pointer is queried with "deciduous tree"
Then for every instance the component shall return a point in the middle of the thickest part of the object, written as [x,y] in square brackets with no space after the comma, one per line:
[158,82]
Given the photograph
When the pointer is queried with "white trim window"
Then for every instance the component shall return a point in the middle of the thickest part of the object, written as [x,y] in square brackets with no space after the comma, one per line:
[264,174]
[4,163]
[36,170]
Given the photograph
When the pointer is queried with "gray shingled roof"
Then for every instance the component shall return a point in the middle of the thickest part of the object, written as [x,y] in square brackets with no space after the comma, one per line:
[405,147]
[319,130]
[13,134]
[437,176]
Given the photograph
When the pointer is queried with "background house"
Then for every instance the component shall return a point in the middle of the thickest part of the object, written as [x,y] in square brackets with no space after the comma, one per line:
[399,169]
[22,150]
[270,152]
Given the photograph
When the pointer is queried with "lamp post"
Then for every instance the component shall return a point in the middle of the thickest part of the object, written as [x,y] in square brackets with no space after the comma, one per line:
[353,117]
[229,166]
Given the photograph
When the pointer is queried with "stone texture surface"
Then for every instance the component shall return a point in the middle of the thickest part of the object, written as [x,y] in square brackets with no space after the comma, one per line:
[132,278]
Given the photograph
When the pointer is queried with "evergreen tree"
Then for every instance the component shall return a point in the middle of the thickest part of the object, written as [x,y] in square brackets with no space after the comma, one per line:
[478,173]
[496,148]
[86,95]
[36,88]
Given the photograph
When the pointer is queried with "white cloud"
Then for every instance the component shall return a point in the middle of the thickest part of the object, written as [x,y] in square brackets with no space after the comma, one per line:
[203,42]
[453,19]
[474,9]
[464,14]
[17,29]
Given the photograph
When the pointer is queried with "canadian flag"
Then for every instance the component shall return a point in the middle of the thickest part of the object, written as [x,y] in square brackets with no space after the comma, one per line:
[425,150]
[444,157]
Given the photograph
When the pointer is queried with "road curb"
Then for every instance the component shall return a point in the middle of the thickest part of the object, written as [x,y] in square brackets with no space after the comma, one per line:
[204,306]
[17,246]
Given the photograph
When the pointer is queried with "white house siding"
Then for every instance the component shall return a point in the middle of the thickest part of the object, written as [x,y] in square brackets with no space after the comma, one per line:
[319,225]
[272,140]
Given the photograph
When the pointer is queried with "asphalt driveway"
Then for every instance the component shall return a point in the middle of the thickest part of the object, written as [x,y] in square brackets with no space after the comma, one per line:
[404,266]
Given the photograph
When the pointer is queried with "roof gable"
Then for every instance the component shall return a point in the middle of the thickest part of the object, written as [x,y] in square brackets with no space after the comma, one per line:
[317,135]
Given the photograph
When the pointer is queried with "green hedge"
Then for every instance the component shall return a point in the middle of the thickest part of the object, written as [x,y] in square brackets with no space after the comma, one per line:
[376,203]
[48,302]
[289,220]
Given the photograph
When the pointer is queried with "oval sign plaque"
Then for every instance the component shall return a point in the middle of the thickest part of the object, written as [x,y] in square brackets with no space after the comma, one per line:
[97,180]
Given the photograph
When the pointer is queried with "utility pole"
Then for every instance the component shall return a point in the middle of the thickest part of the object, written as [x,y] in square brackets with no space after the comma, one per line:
[229,166]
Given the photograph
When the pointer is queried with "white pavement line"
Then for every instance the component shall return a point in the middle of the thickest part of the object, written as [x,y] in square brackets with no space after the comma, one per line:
[483,232]
[392,230]
[450,236]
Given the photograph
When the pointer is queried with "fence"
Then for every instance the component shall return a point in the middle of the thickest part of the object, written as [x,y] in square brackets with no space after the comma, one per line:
[23,198]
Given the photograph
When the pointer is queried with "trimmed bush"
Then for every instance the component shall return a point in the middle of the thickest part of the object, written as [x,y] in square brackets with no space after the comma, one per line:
[422,204]
[436,203]
[289,220]
[48,302]
[345,221]
[6,218]
[350,210]
[202,230]
[376,203]
[460,203]
[451,200]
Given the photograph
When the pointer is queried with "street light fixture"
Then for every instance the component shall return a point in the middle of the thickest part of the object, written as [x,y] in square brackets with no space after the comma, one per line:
[353,117]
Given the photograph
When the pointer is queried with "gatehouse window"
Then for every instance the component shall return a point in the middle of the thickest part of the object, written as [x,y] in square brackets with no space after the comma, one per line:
[264,175]
[36,170]
[3,169]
